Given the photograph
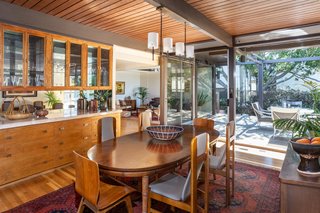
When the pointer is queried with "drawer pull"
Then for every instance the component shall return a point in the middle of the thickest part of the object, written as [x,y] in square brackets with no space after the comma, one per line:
[8,155]
[45,131]
[45,147]
[85,138]
[45,162]
[8,137]
[86,124]
[61,128]
[61,143]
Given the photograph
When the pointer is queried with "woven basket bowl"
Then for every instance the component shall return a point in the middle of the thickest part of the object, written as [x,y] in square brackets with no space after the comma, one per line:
[164,132]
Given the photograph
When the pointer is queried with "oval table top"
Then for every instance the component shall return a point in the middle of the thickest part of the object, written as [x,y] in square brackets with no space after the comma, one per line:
[139,153]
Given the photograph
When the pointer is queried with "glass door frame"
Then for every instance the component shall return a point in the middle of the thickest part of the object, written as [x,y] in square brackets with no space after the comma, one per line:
[164,86]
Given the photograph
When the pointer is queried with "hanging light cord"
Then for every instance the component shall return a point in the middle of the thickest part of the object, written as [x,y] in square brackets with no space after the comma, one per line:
[161,32]
[185,38]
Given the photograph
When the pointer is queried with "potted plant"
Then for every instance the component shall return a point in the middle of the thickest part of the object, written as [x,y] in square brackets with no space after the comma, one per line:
[308,127]
[53,101]
[104,97]
[202,99]
[141,93]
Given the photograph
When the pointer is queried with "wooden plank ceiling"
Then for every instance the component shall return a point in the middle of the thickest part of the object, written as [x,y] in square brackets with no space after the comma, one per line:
[132,18]
[135,18]
[239,17]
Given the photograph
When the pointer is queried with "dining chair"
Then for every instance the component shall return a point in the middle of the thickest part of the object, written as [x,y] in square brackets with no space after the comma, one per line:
[179,191]
[144,120]
[108,130]
[222,163]
[98,195]
[207,123]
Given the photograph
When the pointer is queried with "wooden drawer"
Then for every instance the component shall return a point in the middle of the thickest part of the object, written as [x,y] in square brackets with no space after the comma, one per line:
[30,133]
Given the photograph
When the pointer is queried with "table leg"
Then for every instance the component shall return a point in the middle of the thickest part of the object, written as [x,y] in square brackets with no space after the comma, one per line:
[145,190]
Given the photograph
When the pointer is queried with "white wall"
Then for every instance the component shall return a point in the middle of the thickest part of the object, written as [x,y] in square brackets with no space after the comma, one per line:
[134,79]
[151,81]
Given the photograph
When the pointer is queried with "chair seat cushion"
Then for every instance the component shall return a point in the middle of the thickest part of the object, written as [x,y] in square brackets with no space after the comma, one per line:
[218,162]
[169,185]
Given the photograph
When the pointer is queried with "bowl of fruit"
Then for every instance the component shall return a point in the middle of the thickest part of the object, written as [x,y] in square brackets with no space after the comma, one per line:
[309,152]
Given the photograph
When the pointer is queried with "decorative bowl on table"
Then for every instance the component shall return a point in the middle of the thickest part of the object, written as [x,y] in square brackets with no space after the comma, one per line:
[309,152]
[164,132]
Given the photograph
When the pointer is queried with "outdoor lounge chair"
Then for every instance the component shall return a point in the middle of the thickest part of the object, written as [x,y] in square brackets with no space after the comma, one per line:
[283,113]
[261,114]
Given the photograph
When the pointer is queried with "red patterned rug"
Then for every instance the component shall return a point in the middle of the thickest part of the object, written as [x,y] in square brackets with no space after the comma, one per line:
[256,190]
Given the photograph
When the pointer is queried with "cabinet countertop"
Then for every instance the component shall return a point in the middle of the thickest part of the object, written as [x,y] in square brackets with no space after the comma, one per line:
[53,116]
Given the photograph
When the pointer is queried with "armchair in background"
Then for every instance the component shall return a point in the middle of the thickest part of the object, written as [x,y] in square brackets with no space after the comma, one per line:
[261,114]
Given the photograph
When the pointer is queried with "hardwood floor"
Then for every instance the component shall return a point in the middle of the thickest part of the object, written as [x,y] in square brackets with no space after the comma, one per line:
[19,192]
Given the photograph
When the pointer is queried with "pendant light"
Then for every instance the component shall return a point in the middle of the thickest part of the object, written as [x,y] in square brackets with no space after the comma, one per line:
[190,51]
[180,49]
[153,42]
[167,45]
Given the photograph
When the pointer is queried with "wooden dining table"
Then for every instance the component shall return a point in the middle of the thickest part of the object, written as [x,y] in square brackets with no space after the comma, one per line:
[139,155]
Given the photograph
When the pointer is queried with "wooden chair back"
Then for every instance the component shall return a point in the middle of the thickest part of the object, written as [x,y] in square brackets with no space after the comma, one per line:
[107,128]
[204,122]
[199,158]
[145,119]
[230,141]
[87,178]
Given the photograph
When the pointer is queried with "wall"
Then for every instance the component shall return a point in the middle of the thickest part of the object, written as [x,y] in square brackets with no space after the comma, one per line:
[134,79]
[151,80]
[40,97]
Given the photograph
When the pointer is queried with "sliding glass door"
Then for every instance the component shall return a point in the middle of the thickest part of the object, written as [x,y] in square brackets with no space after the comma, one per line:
[179,91]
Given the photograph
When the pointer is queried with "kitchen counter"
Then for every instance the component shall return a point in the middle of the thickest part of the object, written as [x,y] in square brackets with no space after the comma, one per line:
[298,193]
[53,116]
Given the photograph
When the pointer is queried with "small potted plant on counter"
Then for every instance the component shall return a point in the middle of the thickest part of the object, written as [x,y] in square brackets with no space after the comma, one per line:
[104,98]
[53,101]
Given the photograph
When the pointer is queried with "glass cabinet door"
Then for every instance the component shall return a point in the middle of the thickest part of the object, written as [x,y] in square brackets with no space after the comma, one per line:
[13,58]
[36,61]
[59,63]
[92,66]
[75,64]
[104,75]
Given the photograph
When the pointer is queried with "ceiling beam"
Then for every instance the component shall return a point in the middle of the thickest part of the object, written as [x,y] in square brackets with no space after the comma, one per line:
[300,44]
[183,12]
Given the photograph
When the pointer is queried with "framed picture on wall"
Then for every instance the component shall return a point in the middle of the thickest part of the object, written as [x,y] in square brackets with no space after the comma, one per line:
[120,87]
[12,94]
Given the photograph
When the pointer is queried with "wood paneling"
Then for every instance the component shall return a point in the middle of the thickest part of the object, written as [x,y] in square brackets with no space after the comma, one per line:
[25,151]
[132,18]
[135,18]
[249,16]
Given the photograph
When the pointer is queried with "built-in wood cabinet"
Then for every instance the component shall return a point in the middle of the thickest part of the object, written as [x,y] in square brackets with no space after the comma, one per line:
[41,61]
[25,151]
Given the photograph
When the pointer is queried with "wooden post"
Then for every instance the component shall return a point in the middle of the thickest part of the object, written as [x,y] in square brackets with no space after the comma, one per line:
[232,84]
[260,84]
[213,90]
[163,89]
